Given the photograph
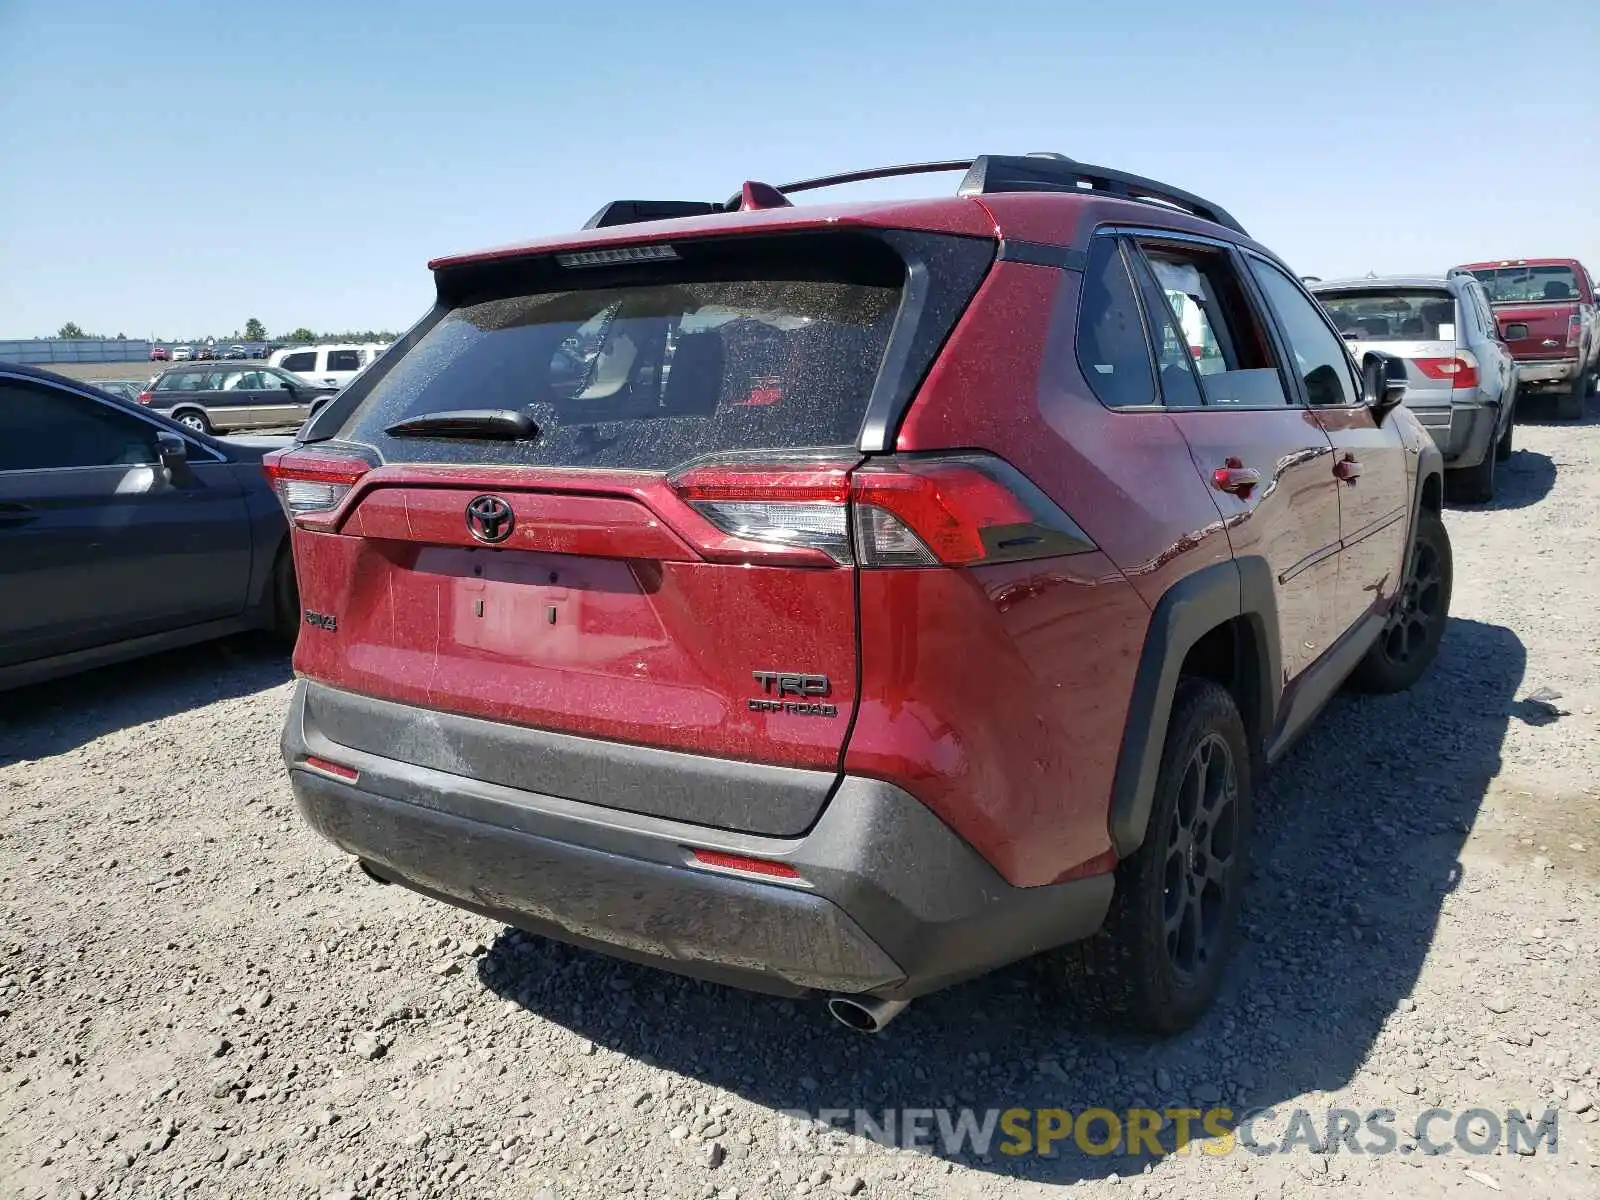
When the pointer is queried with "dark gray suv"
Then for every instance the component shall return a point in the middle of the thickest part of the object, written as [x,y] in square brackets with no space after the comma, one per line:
[221,397]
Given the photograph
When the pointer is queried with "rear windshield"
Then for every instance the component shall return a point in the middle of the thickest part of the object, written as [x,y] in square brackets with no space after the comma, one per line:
[1525,285]
[1393,315]
[651,373]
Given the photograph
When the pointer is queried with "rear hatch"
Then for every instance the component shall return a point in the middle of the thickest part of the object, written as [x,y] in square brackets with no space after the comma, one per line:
[601,495]
[1536,308]
[1417,324]
[1537,331]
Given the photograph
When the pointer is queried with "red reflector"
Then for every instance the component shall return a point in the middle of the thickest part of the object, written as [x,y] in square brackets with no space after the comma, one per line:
[332,768]
[145,397]
[738,862]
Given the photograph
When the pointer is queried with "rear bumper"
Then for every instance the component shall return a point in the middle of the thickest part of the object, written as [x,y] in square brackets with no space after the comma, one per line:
[889,902]
[1547,372]
[1463,432]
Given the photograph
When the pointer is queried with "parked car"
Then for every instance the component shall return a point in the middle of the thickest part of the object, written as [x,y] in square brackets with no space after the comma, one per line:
[1546,312]
[1461,380]
[236,353]
[122,389]
[124,534]
[921,614]
[335,365]
[205,354]
[159,354]
[218,398]
[182,353]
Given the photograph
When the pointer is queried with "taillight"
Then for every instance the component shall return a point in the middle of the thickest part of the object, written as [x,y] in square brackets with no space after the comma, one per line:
[312,484]
[145,397]
[1574,331]
[1461,370]
[904,511]
[795,507]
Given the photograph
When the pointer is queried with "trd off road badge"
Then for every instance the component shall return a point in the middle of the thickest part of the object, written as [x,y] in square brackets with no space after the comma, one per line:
[797,695]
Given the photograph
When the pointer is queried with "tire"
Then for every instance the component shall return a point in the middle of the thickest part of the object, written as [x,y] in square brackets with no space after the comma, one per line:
[1569,405]
[1474,485]
[193,420]
[285,598]
[1410,639]
[1156,963]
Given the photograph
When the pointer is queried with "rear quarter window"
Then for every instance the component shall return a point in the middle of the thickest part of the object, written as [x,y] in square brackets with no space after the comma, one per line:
[1112,350]
[304,361]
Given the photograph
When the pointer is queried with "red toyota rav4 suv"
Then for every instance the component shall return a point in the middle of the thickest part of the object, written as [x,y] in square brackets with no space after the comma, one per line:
[852,599]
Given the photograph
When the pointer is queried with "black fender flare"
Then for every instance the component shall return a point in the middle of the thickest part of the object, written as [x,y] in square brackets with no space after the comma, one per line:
[1186,612]
[1430,465]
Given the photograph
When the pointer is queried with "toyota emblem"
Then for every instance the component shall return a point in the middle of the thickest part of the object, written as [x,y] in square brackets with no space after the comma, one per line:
[490,519]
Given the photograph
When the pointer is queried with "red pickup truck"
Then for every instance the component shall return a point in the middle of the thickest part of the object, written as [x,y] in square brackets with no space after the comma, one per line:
[1546,312]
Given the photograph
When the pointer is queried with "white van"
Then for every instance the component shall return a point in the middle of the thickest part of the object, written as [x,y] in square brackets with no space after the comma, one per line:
[336,365]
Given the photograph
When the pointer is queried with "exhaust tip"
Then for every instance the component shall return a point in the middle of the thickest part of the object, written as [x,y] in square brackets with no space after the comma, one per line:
[370,873]
[865,1014]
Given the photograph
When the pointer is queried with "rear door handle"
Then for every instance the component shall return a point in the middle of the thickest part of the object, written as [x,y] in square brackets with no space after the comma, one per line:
[1235,478]
[1349,470]
[13,513]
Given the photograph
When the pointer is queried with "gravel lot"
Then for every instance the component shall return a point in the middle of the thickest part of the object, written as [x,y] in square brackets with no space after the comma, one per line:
[198,997]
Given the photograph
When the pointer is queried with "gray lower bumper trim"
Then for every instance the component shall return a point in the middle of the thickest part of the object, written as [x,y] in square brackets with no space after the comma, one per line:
[889,902]
[724,793]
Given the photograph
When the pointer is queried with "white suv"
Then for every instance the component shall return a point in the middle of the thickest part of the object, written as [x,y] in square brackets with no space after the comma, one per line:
[336,365]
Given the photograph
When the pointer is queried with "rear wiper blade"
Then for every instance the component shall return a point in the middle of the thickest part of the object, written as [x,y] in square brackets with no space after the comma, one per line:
[478,424]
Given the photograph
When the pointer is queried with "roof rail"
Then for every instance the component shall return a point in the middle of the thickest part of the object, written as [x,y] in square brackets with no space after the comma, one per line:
[1056,173]
[985,175]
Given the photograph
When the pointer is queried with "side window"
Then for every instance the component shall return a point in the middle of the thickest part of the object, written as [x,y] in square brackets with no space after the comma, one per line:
[304,360]
[42,428]
[1319,354]
[344,360]
[1110,339]
[271,380]
[1210,347]
[1480,318]
[1174,362]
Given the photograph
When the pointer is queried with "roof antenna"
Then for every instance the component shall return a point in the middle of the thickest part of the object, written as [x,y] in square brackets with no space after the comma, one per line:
[756,195]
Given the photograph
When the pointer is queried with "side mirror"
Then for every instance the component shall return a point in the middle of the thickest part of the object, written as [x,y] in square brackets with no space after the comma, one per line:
[173,454]
[1383,382]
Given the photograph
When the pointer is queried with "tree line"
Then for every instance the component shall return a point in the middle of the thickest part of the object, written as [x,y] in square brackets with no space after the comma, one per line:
[253,331]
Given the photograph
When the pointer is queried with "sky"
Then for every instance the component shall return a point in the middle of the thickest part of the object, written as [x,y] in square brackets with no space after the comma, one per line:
[173,167]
